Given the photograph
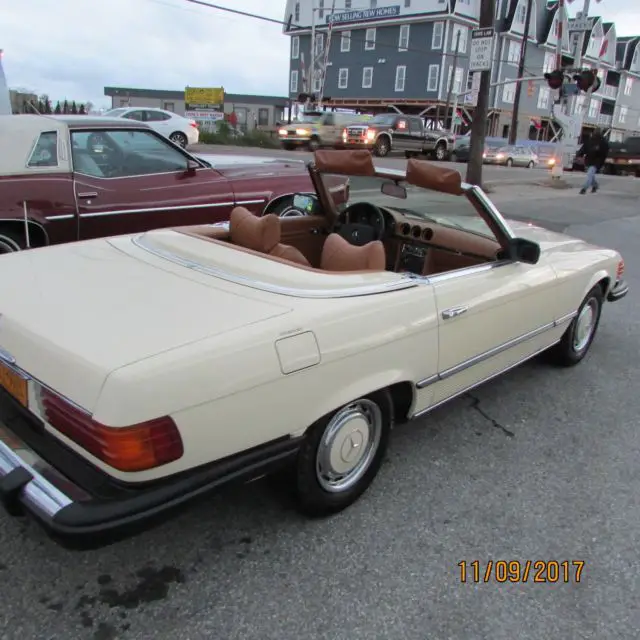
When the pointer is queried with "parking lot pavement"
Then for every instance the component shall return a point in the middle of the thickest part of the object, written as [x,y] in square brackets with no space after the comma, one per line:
[541,465]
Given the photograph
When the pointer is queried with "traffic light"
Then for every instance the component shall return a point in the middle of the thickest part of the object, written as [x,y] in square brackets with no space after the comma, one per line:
[586,80]
[555,79]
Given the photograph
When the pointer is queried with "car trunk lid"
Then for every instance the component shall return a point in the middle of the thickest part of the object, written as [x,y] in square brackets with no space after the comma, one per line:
[71,314]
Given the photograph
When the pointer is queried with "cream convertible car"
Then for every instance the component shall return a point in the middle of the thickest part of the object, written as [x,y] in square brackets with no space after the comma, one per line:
[141,371]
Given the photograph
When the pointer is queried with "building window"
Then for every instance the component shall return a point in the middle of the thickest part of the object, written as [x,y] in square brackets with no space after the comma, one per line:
[343,78]
[295,47]
[296,12]
[462,43]
[263,117]
[319,43]
[373,4]
[293,87]
[437,35]
[521,13]
[623,114]
[457,80]
[317,81]
[320,8]
[628,86]
[370,40]
[367,77]
[401,74]
[403,40]
[345,41]
[513,57]
[407,3]
[169,106]
[347,4]
[509,92]
[543,98]
[594,107]
[434,75]
[549,62]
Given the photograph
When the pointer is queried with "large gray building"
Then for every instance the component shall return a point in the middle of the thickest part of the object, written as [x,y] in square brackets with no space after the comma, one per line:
[402,54]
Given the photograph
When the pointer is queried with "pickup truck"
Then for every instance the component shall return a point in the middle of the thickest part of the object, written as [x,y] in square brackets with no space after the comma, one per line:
[391,132]
[624,157]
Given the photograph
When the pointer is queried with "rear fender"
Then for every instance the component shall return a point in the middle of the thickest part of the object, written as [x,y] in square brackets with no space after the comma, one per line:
[357,389]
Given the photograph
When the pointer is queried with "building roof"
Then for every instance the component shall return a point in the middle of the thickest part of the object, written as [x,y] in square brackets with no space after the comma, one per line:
[169,94]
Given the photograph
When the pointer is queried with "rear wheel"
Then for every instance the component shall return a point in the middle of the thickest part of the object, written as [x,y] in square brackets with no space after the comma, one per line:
[314,144]
[509,162]
[530,165]
[342,454]
[578,337]
[179,138]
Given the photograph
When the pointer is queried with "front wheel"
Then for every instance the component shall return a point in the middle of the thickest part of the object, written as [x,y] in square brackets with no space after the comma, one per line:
[578,337]
[441,152]
[509,162]
[530,165]
[313,145]
[342,454]
[382,147]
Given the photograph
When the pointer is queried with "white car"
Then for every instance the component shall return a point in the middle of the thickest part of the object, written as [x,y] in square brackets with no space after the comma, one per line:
[139,371]
[182,131]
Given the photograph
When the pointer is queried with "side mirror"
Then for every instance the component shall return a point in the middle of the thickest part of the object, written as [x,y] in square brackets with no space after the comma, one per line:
[523,250]
[394,190]
[192,166]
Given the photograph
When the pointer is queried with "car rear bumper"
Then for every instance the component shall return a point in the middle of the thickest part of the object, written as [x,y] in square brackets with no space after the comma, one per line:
[81,507]
[619,291]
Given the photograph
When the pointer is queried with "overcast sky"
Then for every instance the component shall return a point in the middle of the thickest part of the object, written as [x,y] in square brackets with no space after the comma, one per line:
[73,48]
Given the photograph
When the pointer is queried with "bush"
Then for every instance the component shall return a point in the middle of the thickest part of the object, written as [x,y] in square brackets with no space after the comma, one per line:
[253,138]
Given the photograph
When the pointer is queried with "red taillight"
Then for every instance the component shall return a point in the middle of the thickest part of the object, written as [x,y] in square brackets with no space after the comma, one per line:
[141,446]
[620,270]
[193,123]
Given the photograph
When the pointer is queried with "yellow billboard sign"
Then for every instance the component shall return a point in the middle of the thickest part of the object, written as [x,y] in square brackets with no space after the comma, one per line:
[204,97]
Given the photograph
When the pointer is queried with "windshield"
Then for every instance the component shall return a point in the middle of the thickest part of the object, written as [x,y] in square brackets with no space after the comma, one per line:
[456,212]
[385,118]
[309,118]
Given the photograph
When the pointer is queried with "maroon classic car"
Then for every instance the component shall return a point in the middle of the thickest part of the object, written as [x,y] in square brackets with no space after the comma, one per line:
[68,178]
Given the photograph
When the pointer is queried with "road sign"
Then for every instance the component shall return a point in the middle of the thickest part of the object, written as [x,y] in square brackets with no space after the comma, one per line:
[471,98]
[481,55]
[203,98]
[580,24]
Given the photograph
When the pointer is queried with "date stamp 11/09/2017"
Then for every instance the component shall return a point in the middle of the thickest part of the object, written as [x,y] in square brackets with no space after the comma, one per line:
[525,571]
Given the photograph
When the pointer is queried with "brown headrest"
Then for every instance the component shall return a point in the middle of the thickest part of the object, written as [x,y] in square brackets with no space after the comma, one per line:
[251,232]
[339,255]
[431,176]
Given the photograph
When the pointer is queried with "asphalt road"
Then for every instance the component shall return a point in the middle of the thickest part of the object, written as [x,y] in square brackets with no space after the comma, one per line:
[541,464]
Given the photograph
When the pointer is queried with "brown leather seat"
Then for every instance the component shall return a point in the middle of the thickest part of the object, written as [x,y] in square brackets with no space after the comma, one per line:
[261,234]
[339,255]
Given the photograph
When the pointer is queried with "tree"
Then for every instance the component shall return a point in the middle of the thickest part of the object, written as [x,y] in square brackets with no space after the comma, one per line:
[74,108]
[58,109]
[47,106]
[65,107]
[88,106]
[81,110]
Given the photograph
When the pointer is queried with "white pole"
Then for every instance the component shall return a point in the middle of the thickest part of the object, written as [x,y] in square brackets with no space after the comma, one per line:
[558,168]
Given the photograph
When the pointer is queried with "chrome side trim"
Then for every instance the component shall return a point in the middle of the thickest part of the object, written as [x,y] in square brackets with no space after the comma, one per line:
[418,414]
[65,216]
[99,214]
[38,492]
[490,353]
[364,290]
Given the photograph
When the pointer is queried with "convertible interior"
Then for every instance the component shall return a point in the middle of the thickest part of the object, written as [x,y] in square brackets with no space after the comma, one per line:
[363,237]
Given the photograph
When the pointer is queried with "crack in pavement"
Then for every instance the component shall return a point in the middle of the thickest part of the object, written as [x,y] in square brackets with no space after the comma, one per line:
[475,404]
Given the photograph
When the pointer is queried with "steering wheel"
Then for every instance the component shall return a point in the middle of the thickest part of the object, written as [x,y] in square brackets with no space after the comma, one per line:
[361,233]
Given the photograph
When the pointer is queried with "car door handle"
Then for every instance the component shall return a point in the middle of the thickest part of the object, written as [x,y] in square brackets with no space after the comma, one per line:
[453,312]
[88,194]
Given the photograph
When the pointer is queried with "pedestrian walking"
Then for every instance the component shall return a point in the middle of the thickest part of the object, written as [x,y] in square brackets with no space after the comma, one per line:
[594,150]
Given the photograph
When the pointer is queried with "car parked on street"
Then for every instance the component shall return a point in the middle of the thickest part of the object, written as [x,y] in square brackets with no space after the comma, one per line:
[143,370]
[67,178]
[511,156]
[182,131]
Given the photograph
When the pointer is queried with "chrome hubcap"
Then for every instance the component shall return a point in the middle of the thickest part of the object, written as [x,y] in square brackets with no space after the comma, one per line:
[584,325]
[348,446]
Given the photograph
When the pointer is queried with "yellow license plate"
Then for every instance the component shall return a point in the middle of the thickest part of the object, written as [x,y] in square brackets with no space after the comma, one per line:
[15,384]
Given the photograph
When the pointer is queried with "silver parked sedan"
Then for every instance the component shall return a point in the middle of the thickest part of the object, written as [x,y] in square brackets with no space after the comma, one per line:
[511,156]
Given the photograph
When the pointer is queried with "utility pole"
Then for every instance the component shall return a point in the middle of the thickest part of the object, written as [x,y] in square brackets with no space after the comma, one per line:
[479,124]
[513,129]
[557,170]
[312,63]
[451,80]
